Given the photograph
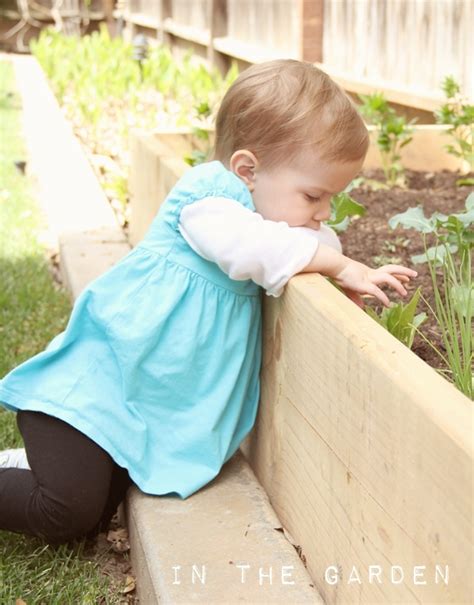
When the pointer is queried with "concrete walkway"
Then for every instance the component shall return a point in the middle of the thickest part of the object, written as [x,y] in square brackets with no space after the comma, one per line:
[224,544]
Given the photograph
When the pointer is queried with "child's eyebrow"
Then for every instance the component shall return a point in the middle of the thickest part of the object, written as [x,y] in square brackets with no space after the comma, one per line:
[313,189]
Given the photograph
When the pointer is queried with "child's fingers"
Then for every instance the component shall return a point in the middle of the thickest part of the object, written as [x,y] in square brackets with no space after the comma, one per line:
[378,293]
[399,270]
[391,281]
[403,278]
[355,297]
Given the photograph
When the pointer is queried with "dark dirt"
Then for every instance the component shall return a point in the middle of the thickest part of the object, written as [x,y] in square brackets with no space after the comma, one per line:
[370,240]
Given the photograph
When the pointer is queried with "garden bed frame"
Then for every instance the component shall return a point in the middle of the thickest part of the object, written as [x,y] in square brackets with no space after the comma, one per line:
[364,450]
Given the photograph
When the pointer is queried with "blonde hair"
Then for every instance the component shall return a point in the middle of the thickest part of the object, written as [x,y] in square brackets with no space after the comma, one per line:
[280,108]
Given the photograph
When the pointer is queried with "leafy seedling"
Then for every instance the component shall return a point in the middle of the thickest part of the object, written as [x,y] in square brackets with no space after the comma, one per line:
[450,266]
[343,207]
[400,319]
[458,113]
[393,133]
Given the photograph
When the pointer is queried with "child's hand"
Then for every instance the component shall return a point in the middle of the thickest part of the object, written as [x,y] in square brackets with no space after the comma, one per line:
[356,278]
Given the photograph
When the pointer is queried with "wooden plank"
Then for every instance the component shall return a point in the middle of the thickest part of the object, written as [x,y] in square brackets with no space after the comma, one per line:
[397,41]
[109,15]
[151,177]
[217,19]
[311,38]
[186,32]
[143,20]
[15,15]
[166,13]
[272,26]
[245,51]
[193,14]
[396,94]
[366,452]
[425,152]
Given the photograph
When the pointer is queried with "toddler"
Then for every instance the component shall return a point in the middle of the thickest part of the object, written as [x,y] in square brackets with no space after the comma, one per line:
[155,380]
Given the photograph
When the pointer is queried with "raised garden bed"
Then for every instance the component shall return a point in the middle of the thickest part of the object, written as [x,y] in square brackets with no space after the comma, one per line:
[368,239]
[371,240]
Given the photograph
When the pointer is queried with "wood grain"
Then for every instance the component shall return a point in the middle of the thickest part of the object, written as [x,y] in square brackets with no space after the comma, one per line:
[366,453]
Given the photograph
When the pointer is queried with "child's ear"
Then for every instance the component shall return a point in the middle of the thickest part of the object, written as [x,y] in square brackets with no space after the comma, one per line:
[244,164]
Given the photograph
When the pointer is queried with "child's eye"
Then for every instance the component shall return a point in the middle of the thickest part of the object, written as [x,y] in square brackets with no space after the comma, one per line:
[311,198]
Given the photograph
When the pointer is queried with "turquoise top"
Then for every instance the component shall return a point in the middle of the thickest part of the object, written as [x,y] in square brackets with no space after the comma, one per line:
[159,363]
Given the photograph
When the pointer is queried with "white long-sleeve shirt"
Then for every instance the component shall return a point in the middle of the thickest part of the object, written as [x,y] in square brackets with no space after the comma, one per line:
[246,246]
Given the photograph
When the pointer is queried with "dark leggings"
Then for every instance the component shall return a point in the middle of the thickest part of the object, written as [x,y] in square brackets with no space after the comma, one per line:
[73,489]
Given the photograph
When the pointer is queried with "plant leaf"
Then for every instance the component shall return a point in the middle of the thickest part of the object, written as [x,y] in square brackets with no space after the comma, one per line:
[463,299]
[435,253]
[413,218]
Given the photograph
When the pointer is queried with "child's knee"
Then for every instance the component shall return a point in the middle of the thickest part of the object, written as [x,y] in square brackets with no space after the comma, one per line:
[60,522]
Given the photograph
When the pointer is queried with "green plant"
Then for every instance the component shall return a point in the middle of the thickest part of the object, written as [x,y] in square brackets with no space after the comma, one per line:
[458,113]
[450,266]
[454,307]
[343,206]
[400,319]
[391,246]
[381,259]
[93,72]
[116,187]
[203,118]
[104,94]
[454,230]
[201,132]
[393,133]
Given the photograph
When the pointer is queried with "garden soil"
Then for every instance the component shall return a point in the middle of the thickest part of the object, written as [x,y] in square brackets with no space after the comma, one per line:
[370,240]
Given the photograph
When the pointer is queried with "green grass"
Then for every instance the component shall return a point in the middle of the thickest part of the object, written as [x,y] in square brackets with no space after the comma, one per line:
[33,309]
[40,574]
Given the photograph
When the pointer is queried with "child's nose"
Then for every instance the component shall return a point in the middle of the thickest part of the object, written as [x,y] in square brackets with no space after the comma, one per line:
[323,214]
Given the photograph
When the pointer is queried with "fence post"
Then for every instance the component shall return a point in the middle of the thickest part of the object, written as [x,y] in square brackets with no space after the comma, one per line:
[311,38]
[166,13]
[217,19]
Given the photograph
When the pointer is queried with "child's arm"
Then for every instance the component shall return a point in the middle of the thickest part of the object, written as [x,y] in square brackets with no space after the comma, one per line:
[325,235]
[245,245]
[357,277]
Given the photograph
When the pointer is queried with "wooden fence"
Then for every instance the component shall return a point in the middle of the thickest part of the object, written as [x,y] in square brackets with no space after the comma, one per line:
[412,44]
[248,30]
[363,44]
[22,20]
